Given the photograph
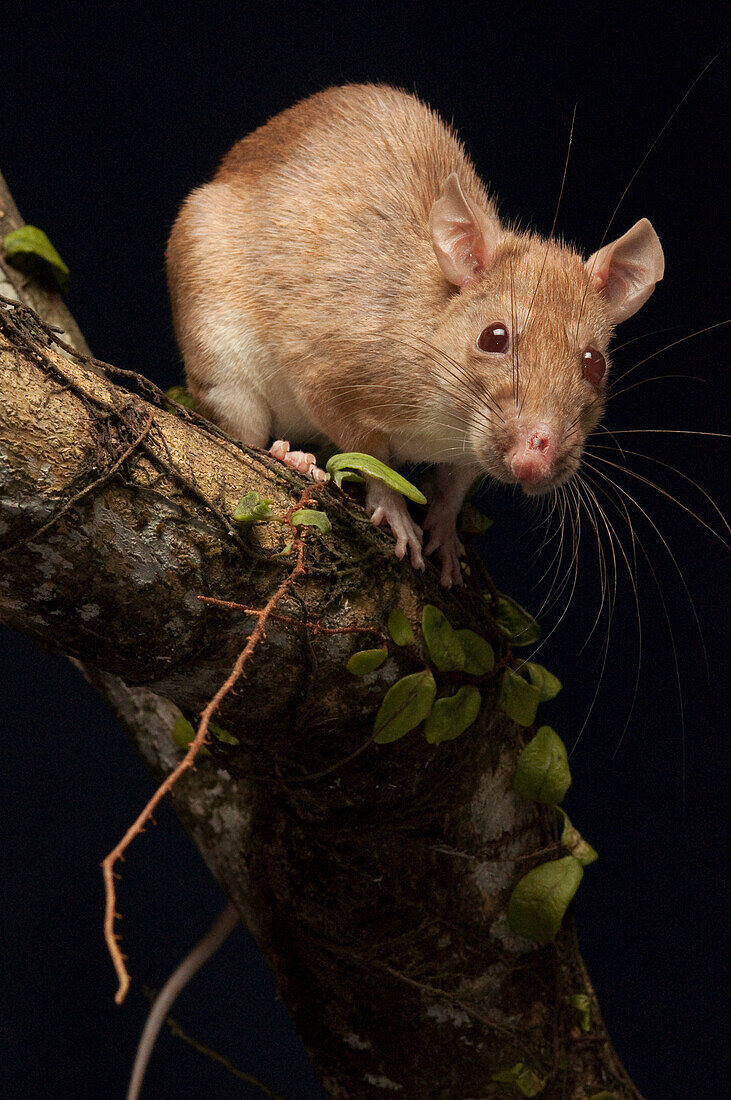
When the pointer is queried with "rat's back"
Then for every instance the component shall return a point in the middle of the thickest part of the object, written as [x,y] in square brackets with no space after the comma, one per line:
[309,244]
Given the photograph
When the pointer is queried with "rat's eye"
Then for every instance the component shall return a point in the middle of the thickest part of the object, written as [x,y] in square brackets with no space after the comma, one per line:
[593,366]
[494,338]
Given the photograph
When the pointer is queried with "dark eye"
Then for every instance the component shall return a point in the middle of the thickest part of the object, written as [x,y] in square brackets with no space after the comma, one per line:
[494,338]
[593,366]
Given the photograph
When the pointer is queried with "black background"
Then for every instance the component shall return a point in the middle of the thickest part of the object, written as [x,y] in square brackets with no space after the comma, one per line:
[108,118]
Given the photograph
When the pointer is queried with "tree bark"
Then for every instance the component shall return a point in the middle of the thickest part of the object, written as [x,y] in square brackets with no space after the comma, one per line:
[374,877]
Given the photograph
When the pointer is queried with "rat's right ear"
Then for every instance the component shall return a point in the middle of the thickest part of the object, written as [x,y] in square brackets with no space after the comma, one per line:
[625,271]
[463,236]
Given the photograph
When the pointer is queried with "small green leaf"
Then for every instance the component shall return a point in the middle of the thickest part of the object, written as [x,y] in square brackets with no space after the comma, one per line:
[479,654]
[366,660]
[341,476]
[29,250]
[308,517]
[367,464]
[452,715]
[180,395]
[400,628]
[582,1004]
[542,772]
[509,1076]
[603,1095]
[573,841]
[514,620]
[472,521]
[405,705]
[183,734]
[548,684]
[441,639]
[523,1077]
[540,899]
[253,508]
[222,735]
[285,552]
[518,699]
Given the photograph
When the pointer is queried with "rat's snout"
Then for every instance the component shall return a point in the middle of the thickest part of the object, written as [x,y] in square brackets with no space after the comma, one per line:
[530,458]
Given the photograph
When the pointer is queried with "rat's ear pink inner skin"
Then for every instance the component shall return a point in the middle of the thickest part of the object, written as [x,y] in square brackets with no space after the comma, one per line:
[625,272]
[464,236]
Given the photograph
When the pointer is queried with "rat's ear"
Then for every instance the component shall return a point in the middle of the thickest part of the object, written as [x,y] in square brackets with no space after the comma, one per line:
[463,235]
[625,271]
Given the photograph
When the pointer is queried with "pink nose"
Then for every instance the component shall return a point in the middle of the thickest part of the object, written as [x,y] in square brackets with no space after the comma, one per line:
[531,459]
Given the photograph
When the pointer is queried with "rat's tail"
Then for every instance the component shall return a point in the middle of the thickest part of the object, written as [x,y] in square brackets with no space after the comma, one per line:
[227,919]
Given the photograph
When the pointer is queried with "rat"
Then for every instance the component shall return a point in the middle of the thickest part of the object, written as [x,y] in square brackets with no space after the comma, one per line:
[345,278]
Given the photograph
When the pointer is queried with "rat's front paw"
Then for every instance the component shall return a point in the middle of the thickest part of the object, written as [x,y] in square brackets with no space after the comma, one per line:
[301,461]
[388,506]
[444,541]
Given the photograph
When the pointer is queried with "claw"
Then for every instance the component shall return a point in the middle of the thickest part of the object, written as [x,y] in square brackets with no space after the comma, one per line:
[389,507]
[301,461]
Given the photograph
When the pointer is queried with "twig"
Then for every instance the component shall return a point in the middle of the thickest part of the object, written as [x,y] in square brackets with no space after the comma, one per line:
[117,853]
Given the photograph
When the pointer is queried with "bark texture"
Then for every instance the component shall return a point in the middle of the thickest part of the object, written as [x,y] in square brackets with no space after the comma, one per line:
[375,881]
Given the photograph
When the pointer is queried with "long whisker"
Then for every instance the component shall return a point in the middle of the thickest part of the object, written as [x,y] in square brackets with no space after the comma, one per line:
[663,540]
[635,174]
[681,340]
[653,485]
[654,378]
[675,470]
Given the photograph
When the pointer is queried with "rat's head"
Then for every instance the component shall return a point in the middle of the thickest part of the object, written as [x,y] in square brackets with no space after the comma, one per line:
[531,325]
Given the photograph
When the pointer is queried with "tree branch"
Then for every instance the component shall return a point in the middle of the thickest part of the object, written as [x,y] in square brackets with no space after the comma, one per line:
[345,858]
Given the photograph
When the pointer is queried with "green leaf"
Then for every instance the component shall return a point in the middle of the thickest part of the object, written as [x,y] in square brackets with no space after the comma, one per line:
[444,646]
[222,735]
[405,705]
[366,660]
[479,654]
[603,1095]
[253,508]
[180,395]
[308,517]
[523,1077]
[573,841]
[367,464]
[582,1004]
[514,620]
[472,521]
[542,771]
[548,684]
[29,250]
[452,715]
[509,1076]
[400,628]
[183,734]
[540,899]
[517,698]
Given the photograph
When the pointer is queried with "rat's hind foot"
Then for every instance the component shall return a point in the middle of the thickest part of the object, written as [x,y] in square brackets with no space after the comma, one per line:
[388,506]
[301,461]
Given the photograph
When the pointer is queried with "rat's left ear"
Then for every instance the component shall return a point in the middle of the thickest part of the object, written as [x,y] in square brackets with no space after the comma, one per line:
[625,271]
[463,235]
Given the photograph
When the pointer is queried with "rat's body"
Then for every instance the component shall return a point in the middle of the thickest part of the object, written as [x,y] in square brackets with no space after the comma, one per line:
[345,277]
[332,283]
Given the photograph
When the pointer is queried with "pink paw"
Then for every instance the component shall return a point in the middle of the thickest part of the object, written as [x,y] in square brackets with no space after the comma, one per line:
[445,542]
[388,506]
[301,461]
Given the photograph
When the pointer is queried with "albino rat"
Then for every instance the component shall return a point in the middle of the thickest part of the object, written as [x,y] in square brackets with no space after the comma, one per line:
[345,277]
